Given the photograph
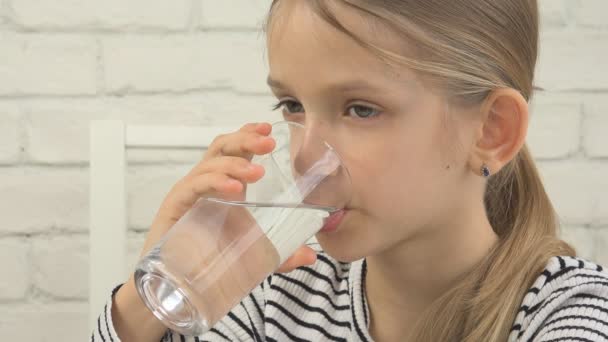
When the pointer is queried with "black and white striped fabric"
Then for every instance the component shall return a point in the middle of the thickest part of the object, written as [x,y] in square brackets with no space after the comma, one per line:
[568,302]
[326,302]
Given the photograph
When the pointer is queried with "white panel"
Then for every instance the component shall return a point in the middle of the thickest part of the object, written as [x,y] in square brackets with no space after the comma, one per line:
[174,136]
[108,224]
[108,213]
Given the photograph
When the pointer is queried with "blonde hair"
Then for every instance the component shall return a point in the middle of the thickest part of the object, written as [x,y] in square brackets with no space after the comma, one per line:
[470,48]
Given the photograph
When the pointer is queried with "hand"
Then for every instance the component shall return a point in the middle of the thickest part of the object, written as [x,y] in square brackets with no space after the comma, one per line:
[226,169]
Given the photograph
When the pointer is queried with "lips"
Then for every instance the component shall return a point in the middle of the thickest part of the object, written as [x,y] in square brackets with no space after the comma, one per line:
[332,222]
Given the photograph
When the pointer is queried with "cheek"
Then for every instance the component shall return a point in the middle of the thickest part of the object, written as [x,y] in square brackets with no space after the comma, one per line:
[398,180]
[385,177]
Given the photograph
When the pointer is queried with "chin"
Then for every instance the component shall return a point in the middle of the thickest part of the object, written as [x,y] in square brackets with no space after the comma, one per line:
[360,236]
[349,243]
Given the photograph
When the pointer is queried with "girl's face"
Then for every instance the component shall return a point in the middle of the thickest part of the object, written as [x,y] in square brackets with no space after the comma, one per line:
[407,158]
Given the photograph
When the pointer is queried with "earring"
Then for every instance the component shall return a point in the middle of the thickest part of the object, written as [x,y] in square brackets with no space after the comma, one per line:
[485,171]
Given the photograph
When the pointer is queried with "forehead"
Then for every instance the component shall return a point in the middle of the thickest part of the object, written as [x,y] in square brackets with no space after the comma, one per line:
[301,42]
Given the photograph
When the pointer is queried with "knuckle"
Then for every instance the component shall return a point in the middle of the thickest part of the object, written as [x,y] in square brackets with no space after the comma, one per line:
[236,163]
[248,126]
[249,140]
[203,184]
[218,139]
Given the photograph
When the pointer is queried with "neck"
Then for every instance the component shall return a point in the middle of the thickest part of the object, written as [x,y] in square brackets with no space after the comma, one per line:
[405,280]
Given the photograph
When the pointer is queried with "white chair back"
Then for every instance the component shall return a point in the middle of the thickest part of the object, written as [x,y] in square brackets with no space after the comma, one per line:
[109,141]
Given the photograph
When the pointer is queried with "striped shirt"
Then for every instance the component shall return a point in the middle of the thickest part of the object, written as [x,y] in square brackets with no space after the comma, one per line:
[326,302]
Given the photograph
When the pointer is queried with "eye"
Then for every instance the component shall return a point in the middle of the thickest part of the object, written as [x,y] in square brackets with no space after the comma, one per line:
[289,106]
[363,112]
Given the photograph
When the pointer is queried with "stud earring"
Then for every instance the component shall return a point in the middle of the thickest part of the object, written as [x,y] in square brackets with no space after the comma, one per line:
[485,171]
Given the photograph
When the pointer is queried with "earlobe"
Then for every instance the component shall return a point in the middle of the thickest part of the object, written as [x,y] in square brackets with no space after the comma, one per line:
[502,132]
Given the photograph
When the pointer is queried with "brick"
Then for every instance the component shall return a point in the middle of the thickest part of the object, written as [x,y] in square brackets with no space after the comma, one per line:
[591,13]
[37,199]
[232,60]
[577,189]
[53,65]
[14,263]
[10,140]
[554,130]
[553,13]
[110,14]
[58,131]
[3,13]
[234,13]
[596,129]
[570,61]
[61,266]
[44,322]
[601,246]
[582,239]
[61,263]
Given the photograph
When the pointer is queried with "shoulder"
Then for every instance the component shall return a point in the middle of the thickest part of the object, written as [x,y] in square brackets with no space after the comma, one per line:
[569,300]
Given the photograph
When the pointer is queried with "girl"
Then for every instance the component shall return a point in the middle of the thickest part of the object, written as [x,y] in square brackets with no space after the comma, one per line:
[450,235]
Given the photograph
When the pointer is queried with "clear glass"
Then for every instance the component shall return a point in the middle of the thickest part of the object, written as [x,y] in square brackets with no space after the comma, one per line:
[225,246]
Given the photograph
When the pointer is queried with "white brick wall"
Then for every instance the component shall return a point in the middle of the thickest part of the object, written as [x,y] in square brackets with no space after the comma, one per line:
[66,62]
[554,127]
[224,14]
[15,263]
[10,139]
[107,15]
[591,13]
[570,60]
[47,64]
[602,242]
[555,13]
[37,199]
[44,321]
[182,63]
[56,259]
[578,190]
[595,125]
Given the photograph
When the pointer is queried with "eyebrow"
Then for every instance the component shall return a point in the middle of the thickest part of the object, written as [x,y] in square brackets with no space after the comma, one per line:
[274,83]
[349,86]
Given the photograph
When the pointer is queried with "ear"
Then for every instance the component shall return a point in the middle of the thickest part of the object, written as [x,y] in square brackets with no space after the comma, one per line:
[502,131]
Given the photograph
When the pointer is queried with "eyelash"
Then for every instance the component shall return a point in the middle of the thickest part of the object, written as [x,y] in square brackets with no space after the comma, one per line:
[282,103]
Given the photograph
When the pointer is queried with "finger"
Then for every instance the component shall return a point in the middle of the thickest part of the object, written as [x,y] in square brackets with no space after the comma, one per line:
[304,256]
[188,191]
[206,184]
[215,182]
[241,144]
[263,128]
[235,167]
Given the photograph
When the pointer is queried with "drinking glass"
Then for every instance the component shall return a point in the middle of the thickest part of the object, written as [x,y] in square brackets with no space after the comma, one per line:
[226,245]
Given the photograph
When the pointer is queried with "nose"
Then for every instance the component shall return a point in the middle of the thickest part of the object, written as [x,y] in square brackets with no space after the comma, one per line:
[308,147]
[321,177]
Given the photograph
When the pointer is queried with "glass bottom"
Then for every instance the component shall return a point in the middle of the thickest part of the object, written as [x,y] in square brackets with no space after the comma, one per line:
[167,300]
